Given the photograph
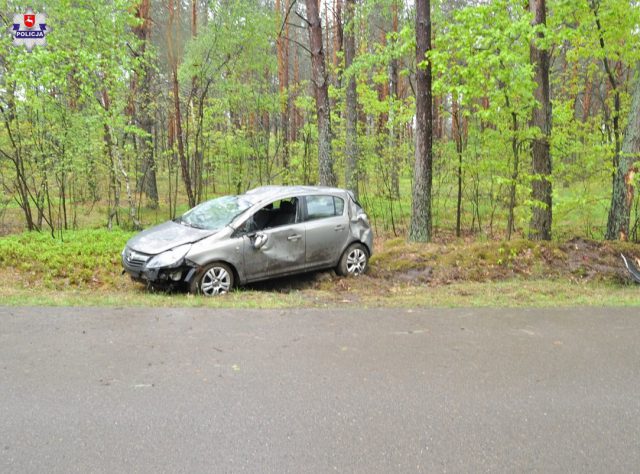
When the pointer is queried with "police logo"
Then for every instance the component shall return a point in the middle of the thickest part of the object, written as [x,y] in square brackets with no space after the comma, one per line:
[29,20]
[30,29]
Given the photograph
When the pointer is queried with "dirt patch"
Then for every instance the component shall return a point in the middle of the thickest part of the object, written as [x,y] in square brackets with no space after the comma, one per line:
[589,260]
[441,264]
[416,275]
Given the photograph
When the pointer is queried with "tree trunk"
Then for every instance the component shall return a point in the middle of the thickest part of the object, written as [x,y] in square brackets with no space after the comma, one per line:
[197,158]
[513,187]
[586,103]
[351,139]
[117,163]
[321,86]
[282,50]
[437,118]
[457,130]
[295,113]
[613,83]
[338,42]
[194,18]
[394,135]
[623,188]
[540,226]
[21,186]
[141,100]
[338,37]
[421,220]
[184,165]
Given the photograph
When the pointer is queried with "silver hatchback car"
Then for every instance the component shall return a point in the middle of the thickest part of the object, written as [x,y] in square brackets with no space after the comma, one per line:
[270,231]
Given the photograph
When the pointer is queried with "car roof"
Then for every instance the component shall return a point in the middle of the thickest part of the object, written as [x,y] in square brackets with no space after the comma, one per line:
[274,192]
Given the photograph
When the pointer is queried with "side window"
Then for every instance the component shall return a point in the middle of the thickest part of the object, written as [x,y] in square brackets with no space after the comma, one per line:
[319,207]
[284,212]
[339,203]
[274,214]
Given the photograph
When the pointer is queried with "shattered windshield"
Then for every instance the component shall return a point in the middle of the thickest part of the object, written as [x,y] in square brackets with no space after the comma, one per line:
[214,214]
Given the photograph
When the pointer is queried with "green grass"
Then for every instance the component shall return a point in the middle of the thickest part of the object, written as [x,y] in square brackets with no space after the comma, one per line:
[83,269]
[79,259]
[515,293]
[512,293]
[137,296]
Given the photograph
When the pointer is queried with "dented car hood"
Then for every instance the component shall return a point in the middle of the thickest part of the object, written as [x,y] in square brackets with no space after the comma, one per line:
[166,236]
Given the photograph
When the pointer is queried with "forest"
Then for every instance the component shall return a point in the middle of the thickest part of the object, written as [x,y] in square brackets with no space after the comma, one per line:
[456,118]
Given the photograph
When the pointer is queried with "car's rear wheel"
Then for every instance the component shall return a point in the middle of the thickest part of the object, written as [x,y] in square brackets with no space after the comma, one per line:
[354,260]
[214,279]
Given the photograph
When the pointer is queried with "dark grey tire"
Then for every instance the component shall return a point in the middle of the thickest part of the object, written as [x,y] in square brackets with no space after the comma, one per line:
[354,261]
[213,280]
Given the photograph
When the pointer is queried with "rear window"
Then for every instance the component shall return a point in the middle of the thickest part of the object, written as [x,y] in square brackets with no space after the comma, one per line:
[319,207]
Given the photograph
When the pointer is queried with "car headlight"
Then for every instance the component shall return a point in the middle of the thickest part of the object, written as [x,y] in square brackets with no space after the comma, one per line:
[170,258]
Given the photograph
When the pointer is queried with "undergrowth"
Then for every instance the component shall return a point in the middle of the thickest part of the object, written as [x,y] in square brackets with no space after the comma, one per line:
[79,258]
[84,266]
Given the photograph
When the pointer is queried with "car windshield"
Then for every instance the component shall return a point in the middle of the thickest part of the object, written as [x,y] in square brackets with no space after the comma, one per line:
[214,214]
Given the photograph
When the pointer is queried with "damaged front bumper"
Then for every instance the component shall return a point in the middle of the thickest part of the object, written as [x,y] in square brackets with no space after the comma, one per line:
[136,265]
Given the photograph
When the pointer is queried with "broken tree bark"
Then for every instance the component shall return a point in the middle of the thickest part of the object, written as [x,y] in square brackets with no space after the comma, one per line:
[623,182]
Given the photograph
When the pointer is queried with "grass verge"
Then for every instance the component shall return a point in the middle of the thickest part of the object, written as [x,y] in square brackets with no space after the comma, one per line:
[84,269]
[510,294]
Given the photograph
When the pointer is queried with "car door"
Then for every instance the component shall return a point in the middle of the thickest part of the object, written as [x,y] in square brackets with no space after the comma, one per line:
[327,229]
[278,248]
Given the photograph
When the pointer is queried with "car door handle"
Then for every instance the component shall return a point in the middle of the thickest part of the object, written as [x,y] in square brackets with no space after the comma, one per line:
[294,237]
[338,227]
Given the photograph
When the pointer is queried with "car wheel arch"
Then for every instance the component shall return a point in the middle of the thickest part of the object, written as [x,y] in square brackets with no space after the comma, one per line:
[355,241]
[236,276]
[350,257]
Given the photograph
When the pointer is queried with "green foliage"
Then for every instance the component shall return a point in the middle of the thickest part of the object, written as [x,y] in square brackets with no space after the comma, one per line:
[55,111]
[481,61]
[228,62]
[84,258]
[77,152]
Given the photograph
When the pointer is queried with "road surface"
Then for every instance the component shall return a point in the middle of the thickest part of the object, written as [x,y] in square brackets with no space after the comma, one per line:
[304,391]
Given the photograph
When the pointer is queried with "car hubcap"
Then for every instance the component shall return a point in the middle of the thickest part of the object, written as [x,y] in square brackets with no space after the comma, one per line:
[356,262]
[216,281]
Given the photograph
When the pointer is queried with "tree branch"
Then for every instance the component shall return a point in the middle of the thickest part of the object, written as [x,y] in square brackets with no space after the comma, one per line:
[286,17]
[298,43]
[303,18]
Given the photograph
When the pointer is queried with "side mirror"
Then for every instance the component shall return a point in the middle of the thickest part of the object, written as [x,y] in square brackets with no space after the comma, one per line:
[362,217]
[260,240]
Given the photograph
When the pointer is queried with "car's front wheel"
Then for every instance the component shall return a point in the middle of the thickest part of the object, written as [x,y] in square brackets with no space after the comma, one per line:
[354,260]
[214,279]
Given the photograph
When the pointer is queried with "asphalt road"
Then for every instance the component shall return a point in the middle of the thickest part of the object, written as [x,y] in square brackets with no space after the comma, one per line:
[197,390]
